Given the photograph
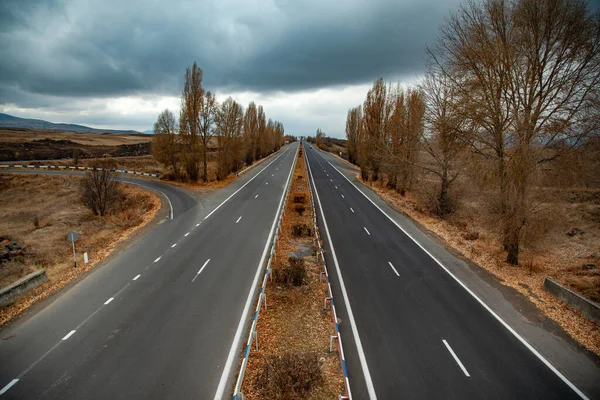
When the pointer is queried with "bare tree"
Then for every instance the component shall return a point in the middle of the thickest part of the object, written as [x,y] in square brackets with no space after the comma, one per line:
[100,188]
[165,146]
[353,132]
[446,126]
[192,101]
[320,138]
[229,122]
[207,114]
[529,73]
[251,132]
[375,116]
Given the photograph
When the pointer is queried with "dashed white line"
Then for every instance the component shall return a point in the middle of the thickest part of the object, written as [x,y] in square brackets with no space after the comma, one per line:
[366,230]
[201,269]
[186,234]
[255,196]
[137,277]
[336,187]
[11,384]
[109,300]
[158,259]
[351,209]
[272,174]
[267,183]
[343,197]
[68,335]
[393,268]
[197,225]
[174,244]
[238,220]
[460,364]
[330,180]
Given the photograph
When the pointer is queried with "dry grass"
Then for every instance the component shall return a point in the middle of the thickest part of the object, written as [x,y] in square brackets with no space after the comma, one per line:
[55,202]
[547,250]
[295,321]
[87,138]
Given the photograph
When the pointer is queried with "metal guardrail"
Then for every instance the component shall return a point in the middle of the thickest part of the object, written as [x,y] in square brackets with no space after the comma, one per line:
[338,335]
[262,297]
[6,166]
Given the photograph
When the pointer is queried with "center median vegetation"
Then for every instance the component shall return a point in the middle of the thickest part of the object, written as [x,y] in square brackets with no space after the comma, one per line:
[292,356]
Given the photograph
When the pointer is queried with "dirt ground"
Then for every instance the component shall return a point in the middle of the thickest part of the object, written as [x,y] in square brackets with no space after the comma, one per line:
[295,320]
[54,202]
[87,138]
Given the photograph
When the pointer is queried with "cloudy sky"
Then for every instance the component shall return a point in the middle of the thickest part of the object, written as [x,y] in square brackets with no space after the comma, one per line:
[118,63]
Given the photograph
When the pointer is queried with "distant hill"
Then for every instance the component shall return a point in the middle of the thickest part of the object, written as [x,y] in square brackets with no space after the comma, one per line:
[8,121]
[149,132]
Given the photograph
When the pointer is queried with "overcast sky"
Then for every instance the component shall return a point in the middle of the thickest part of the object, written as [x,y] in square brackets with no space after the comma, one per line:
[118,63]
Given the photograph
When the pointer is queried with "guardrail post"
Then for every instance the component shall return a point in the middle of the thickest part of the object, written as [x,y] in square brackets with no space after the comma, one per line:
[325,303]
[331,342]
[321,276]
[255,337]
[264,299]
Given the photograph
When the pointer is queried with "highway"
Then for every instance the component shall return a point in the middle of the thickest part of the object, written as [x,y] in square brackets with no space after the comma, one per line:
[414,331]
[165,318]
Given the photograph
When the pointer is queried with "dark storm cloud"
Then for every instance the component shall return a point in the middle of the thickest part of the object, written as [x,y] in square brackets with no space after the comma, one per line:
[114,48]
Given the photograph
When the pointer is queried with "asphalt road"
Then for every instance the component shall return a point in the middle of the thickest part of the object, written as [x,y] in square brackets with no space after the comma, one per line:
[417,333]
[159,320]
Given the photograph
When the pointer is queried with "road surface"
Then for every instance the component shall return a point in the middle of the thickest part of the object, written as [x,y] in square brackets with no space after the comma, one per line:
[159,320]
[414,331]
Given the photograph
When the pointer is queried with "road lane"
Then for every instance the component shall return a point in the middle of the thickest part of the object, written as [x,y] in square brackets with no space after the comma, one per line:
[404,320]
[161,336]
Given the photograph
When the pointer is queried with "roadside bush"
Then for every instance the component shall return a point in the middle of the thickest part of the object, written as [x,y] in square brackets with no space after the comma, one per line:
[299,208]
[290,376]
[301,230]
[100,189]
[300,198]
[293,274]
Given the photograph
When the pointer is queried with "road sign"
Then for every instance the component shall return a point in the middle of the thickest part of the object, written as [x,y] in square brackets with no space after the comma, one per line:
[72,236]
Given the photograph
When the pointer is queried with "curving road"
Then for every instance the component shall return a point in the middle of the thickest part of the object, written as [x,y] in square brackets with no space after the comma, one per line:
[164,319]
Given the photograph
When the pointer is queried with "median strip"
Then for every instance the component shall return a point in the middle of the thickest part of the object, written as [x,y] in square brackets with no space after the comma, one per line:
[291,344]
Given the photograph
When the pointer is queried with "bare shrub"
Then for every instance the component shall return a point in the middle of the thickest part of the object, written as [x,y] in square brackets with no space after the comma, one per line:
[290,376]
[301,230]
[293,274]
[300,198]
[299,208]
[100,188]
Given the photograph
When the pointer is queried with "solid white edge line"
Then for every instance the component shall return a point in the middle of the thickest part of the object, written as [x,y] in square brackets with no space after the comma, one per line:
[235,346]
[483,304]
[10,384]
[244,185]
[238,220]
[172,214]
[391,265]
[366,230]
[136,277]
[158,259]
[460,364]
[108,301]
[68,335]
[359,348]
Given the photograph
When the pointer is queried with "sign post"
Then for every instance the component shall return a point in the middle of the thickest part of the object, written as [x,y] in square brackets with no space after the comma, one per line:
[72,236]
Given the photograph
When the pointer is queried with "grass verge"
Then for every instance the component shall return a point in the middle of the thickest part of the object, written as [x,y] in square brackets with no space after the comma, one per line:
[39,211]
